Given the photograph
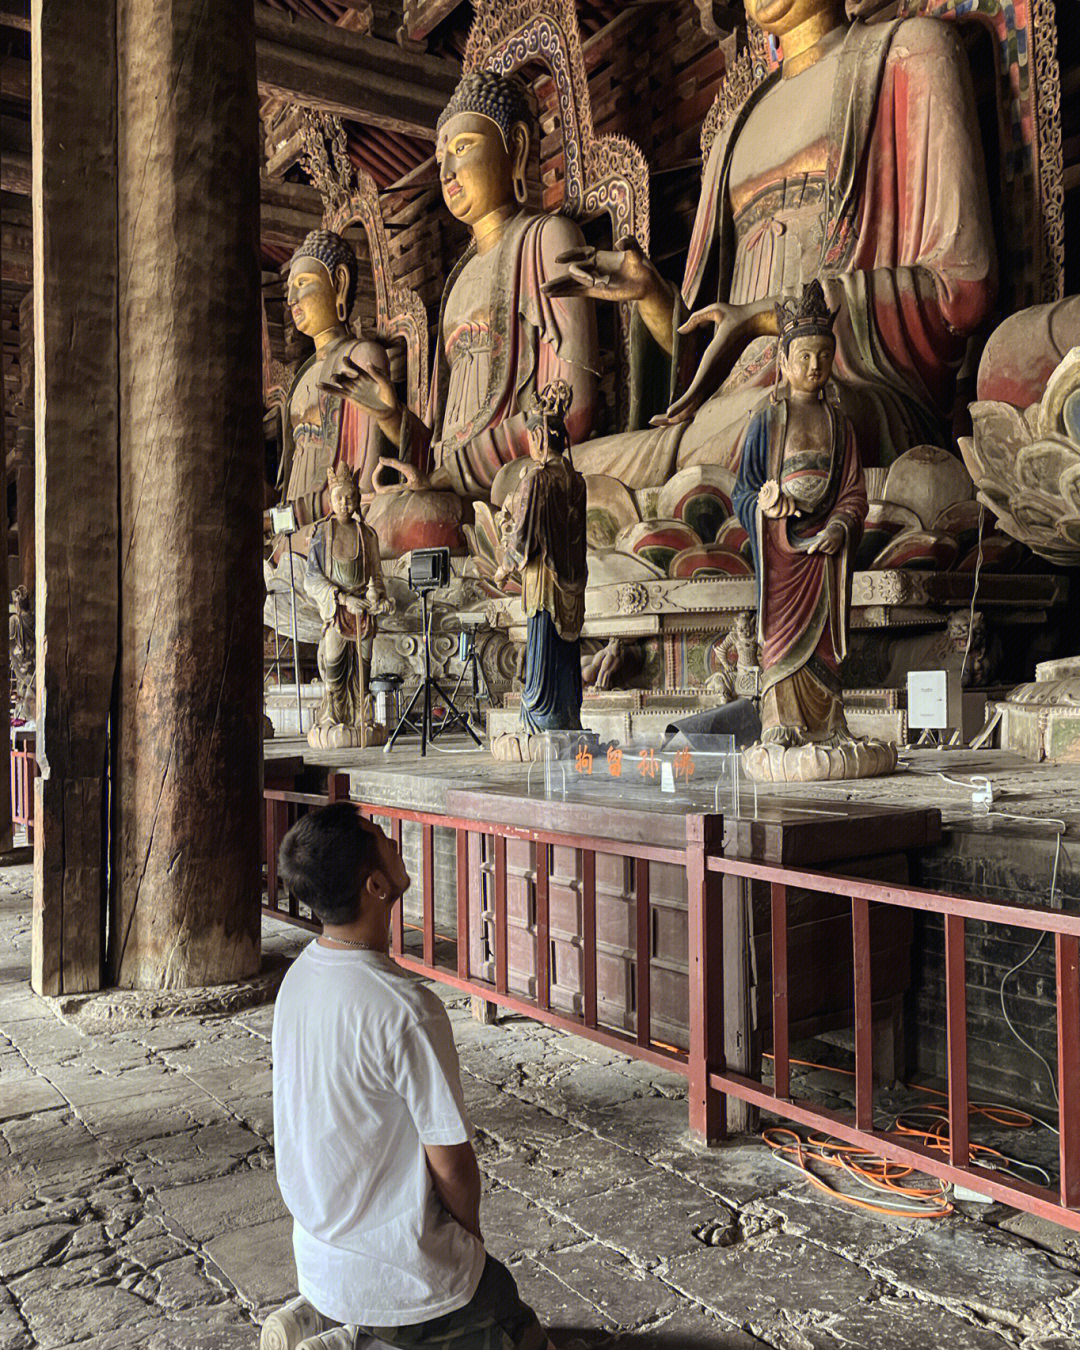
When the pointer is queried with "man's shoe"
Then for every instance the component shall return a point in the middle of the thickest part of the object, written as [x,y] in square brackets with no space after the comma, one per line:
[287,1328]
[341,1338]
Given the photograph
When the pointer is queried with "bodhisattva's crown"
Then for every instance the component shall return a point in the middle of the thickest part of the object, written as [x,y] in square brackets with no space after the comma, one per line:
[341,476]
[810,316]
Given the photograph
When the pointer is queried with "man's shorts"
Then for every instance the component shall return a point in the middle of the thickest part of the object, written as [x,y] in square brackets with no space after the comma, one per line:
[494,1319]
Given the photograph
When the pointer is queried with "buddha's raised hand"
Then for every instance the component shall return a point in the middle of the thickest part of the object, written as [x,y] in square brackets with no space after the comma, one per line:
[622,273]
[350,375]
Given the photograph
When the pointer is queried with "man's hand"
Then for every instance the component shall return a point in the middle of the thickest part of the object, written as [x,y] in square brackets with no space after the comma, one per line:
[456,1179]
[830,540]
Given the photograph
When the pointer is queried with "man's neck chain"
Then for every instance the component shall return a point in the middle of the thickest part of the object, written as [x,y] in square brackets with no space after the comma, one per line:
[348,942]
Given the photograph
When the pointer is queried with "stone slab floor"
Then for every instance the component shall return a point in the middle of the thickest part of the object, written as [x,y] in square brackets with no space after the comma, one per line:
[138,1206]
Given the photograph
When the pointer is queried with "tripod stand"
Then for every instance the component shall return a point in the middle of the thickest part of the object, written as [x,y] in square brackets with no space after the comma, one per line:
[422,723]
[471,658]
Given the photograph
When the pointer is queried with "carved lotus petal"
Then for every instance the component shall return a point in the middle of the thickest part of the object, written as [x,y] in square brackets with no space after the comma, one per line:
[1061,402]
[1036,512]
[1069,487]
[1040,466]
[1000,433]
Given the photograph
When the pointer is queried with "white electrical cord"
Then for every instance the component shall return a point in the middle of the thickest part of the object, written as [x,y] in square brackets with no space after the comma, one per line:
[974,593]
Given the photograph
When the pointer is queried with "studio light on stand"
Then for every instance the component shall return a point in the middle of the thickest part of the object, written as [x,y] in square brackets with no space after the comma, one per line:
[429,571]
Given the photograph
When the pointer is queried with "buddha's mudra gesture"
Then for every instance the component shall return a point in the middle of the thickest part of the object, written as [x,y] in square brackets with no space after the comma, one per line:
[500,338]
[857,163]
[344,578]
[324,429]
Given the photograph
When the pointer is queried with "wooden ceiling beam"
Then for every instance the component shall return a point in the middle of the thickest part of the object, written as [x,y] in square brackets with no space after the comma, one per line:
[15,14]
[15,172]
[15,78]
[351,74]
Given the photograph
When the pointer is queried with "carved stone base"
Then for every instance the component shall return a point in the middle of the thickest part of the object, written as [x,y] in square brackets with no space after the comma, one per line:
[818,763]
[524,747]
[337,736]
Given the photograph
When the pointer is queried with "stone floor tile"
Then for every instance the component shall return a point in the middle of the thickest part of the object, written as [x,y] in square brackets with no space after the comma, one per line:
[258,1260]
[562,1310]
[652,1220]
[239,1200]
[624,1294]
[686,1329]
[753,1283]
[515,1227]
[890,1324]
[27,1096]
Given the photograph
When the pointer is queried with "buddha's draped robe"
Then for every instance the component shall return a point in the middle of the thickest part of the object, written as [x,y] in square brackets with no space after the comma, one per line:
[803,598]
[325,430]
[500,340]
[547,544]
[897,228]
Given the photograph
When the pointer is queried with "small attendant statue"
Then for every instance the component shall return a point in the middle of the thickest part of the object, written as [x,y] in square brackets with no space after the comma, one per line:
[801,496]
[546,544]
[344,578]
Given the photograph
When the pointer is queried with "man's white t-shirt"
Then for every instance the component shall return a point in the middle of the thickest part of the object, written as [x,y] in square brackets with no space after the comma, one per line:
[366,1074]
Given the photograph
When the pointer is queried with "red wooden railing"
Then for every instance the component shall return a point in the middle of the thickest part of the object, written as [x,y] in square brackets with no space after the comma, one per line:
[23,772]
[444,956]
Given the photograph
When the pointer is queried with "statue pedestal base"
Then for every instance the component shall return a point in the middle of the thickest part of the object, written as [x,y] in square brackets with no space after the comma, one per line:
[519,746]
[337,736]
[1041,720]
[818,763]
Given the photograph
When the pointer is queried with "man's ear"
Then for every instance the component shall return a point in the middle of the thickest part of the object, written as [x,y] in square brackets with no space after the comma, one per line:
[377,885]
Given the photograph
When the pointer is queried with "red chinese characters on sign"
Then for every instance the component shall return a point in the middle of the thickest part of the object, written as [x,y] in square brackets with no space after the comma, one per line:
[648,765]
[683,765]
[583,759]
[614,761]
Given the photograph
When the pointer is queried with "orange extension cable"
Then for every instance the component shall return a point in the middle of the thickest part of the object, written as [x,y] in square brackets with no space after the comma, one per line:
[877,1173]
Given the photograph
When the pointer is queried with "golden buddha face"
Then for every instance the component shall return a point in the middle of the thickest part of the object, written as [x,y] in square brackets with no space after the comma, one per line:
[476,170]
[808,362]
[782,16]
[313,295]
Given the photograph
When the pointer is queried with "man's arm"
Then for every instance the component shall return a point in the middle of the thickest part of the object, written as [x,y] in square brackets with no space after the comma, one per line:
[456,1178]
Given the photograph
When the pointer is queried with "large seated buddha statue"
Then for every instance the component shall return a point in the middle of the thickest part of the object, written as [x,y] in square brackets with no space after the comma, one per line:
[858,163]
[500,337]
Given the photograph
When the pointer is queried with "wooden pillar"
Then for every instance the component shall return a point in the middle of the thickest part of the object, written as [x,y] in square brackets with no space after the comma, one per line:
[5,664]
[185,902]
[73,126]
[24,446]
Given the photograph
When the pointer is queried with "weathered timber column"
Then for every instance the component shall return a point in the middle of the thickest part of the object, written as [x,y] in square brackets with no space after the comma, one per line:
[24,446]
[185,888]
[73,124]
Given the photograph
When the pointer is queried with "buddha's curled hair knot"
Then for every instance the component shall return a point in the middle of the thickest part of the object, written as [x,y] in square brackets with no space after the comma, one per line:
[500,98]
[332,251]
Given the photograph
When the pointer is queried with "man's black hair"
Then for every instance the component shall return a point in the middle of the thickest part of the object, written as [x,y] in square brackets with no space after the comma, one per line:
[325,859]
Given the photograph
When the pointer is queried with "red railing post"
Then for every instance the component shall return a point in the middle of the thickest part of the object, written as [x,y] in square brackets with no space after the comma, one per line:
[397,914]
[462,839]
[543,926]
[956,1038]
[501,934]
[643,954]
[781,1050]
[1067,954]
[588,933]
[864,1016]
[708,1108]
[427,891]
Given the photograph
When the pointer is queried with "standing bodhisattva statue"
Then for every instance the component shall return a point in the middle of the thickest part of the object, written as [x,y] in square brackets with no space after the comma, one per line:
[801,497]
[546,544]
[500,338]
[324,429]
[344,578]
[858,163]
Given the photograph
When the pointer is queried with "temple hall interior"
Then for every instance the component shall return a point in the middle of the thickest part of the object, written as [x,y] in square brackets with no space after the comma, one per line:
[543,555]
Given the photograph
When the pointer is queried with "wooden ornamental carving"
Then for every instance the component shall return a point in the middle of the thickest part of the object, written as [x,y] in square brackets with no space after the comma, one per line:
[1029,122]
[350,198]
[604,174]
